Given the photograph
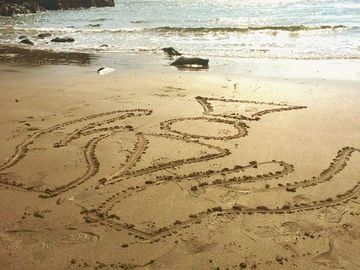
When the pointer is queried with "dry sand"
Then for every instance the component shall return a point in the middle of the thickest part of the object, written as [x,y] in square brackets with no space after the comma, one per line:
[169,169]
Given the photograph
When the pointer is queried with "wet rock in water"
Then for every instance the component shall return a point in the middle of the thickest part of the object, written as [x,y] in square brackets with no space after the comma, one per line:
[95,25]
[190,61]
[171,51]
[104,70]
[63,39]
[22,37]
[104,46]
[44,35]
[26,41]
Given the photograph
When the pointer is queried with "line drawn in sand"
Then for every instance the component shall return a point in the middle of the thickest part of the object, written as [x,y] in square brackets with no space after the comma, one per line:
[128,171]
[101,214]
[208,108]
[92,162]
[335,167]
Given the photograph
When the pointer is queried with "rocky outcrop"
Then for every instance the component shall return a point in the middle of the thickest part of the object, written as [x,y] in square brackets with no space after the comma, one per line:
[49,4]
[73,4]
[12,7]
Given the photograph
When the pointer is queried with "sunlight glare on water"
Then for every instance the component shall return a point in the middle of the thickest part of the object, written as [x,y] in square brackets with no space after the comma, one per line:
[314,29]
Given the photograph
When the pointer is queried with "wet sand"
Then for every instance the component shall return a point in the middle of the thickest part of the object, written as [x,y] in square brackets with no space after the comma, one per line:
[150,167]
[24,56]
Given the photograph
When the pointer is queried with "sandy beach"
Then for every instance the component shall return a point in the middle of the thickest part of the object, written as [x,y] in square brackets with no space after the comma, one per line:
[248,165]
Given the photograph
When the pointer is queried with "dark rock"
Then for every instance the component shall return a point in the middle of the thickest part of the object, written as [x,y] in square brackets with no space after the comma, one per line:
[44,35]
[27,41]
[95,25]
[9,9]
[171,51]
[190,61]
[73,4]
[63,39]
[12,7]
[104,46]
[50,4]
[22,37]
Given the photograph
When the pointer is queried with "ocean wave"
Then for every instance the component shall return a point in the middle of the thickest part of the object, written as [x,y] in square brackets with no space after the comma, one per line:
[98,20]
[70,30]
[290,28]
[138,21]
[170,29]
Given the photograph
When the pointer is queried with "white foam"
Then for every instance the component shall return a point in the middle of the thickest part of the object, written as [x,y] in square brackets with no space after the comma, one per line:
[105,70]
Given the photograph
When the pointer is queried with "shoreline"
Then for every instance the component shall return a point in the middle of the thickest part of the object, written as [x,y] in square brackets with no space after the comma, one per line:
[333,69]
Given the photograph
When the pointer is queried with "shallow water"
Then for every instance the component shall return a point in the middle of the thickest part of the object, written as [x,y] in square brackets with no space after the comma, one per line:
[322,29]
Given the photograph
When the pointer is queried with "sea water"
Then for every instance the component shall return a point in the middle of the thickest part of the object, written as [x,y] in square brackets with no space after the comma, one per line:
[290,29]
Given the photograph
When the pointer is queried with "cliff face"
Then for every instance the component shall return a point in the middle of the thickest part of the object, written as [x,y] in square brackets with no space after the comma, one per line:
[11,7]
[71,4]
